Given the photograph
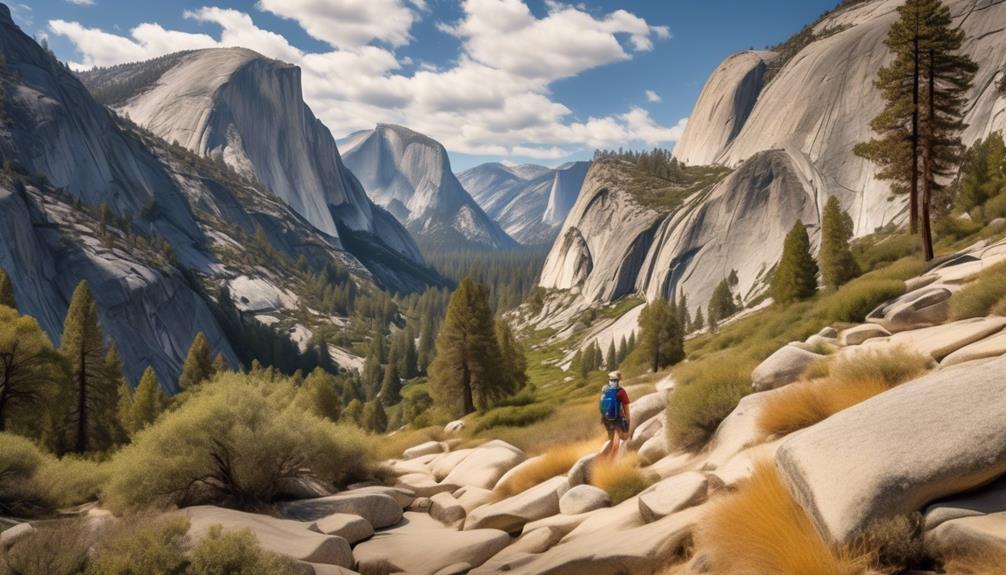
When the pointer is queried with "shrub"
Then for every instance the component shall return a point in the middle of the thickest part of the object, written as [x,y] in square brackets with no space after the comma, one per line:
[979,297]
[855,300]
[516,416]
[237,552]
[620,478]
[706,392]
[893,367]
[818,369]
[556,461]
[20,493]
[71,481]
[895,543]
[54,549]
[231,443]
[761,529]
[142,545]
[573,423]
[872,254]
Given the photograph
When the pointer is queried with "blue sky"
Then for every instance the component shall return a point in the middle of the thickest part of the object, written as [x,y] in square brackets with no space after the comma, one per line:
[515,80]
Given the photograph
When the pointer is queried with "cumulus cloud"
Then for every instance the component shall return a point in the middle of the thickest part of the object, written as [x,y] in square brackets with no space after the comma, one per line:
[494,99]
[82,2]
[652,96]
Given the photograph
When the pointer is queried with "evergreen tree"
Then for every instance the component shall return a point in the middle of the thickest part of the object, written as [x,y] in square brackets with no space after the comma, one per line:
[632,343]
[124,408]
[93,395]
[598,356]
[660,335]
[579,366]
[796,275]
[112,371]
[149,401]
[699,322]
[512,355]
[198,366]
[837,263]
[354,412]
[623,351]
[319,389]
[373,367]
[426,343]
[466,373]
[683,317]
[391,387]
[611,358]
[721,303]
[983,175]
[410,357]
[219,363]
[6,291]
[30,371]
[375,418]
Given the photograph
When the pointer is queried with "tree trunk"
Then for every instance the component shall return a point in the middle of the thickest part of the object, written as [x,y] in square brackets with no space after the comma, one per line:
[81,446]
[913,196]
[927,162]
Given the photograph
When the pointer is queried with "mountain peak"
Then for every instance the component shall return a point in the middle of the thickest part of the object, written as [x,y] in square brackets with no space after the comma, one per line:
[5,16]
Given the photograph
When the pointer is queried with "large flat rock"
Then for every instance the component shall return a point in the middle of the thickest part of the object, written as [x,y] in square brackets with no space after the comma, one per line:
[940,341]
[484,466]
[891,455]
[352,528]
[992,346]
[782,367]
[672,495]
[512,513]
[290,538]
[379,509]
[647,407]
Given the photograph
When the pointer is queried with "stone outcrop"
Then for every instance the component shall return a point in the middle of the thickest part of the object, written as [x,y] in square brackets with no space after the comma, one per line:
[511,514]
[379,509]
[583,498]
[782,367]
[672,495]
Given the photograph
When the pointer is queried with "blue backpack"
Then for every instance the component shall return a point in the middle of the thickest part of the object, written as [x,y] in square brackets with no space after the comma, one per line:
[611,408]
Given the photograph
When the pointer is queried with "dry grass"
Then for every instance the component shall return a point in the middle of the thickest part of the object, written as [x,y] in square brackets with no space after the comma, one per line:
[391,446]
[572,424]
[849,382]
[982,296]
[760,529]
[621,478]
[556,461]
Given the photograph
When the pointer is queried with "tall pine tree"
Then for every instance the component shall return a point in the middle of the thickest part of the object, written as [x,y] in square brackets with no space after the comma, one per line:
[661,338]
[512,356]
[149,401]
[30,371]
[6,291]
[796,275]
[198,365]
[466,373]
[837,264]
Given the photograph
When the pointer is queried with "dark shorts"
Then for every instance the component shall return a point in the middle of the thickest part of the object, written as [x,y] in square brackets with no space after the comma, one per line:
[621,424]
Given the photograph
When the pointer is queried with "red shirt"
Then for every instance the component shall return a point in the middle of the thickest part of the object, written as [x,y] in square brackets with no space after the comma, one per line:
[622,396]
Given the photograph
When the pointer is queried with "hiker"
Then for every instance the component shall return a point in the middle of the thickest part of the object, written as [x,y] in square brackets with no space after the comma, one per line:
[615,411]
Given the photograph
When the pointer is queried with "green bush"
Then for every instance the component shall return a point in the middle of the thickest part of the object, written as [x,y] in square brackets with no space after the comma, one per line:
[514,416]
[237,552]
[232,443]
[21,495]
[979,297]
[892,367]
[873,252]
[995,208]
[55,549]
[706,392]
[142,545]
[71,481]
[855,300]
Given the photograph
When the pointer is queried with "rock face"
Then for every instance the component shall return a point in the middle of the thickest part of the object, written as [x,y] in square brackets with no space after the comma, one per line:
[410,175]
[250,113]
[929,438]
[530,202]
[782,367]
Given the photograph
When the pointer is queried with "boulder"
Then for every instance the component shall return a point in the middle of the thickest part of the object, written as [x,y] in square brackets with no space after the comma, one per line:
[992,346]
[512,513]
[352,528]
[403,495]
[446,509]
[646,407]
[940,341]
[562,523]
[987,500]
[672,495]
[738,431]
[424,484]
[455,426]
[455,569]
[894,453]
[290,538]
[516,470]
[472,498]
[666,384]
[422,545]
[421,505]
[11,534]
[828,333]
[860,333]
[782,367]
[427,448]
[968,536]
[537,541]
[614,519]
[320,569]
[300,488]
[675,463]
[379,509]
[583,498]
[580,472]
[653,449]
[741,466]
[920,308]
[485,465]
[398,467]
[647,430]
[444,463]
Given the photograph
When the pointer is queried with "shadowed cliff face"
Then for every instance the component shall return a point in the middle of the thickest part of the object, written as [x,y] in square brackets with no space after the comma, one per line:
[410,175]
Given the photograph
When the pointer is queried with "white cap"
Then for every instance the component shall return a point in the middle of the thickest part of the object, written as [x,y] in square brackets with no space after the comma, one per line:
[615,375]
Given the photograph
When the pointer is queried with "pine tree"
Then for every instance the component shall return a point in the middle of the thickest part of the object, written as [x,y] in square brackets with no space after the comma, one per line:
[796,275]
[6,291]
[623,351]
[699,322]
[466,373]
[373,367]
[319,388]
[374,417]
[721,303]
[578,366]
[112,372]
[354,412]
[30,371]
[410,357]
[598,356]
[683,317]
[512,355]
[632,343]
[426,343]
[149,401]
[983,175]
[124,408]
[610,358]
[198,366]
[92,395]
[219,363]
[838,266]
[660,335]
[391,387]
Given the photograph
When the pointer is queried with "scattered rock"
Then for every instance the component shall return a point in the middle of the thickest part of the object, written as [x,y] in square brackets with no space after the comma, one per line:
[398,467]
[378,509]
[352,528]
[519,468]
[427,448]
[472,498]
[938,435]
[512,513]
[282,536]
[446,509]
[989,499]
[647,430]
[666,384]
[675,463]
[444,463]
[653,449]
[11,534]
[782,367]
[403,495]
[860,333]
[923,307]
[583,498]
[992,346]
[421,505]
[615,519]
[940,341]
[647,406]
[741,466]
[485,465]
[828,332]
[968,536]
[672,495]
[455,569]
[737,431]
[537,541]
[300,488]
[455,426]
[424,484]
[580,472]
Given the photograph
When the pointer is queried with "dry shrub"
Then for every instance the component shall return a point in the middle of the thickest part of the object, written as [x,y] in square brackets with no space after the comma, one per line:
[556,461]
[760,529]
[849,382]
[894,543]
[394,444]
[818,369]
[141,544]
[55,549]
[981,296]
[707,391]
[621,478]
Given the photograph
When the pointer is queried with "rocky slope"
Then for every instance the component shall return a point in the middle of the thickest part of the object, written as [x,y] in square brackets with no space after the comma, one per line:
[60,148]
[249,112]
[410,175]
[530,202]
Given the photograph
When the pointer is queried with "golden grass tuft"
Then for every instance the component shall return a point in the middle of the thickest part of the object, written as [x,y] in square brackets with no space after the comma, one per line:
[621,477]
[556,461]
[849,382]
[760,529]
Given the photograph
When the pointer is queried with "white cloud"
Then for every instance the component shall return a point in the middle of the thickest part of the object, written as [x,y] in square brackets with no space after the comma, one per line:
[493,100]
[81,2]
[349,23]
[652,96]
